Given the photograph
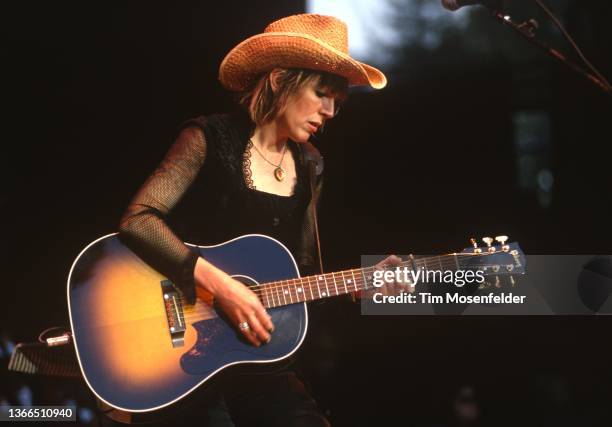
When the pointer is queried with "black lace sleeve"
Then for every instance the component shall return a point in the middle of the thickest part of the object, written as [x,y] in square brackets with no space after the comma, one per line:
[143,225]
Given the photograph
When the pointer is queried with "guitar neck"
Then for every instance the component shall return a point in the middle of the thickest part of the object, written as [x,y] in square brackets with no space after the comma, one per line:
[310,288]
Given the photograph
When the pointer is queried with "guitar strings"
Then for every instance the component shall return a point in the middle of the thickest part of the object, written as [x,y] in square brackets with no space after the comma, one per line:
[358,285]
[194,314]
[442,264]
[276,291]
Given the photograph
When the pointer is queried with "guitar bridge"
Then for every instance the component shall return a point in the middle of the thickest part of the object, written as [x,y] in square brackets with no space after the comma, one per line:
[174,313]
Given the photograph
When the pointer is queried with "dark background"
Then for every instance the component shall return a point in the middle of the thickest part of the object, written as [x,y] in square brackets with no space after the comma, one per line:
[94,93]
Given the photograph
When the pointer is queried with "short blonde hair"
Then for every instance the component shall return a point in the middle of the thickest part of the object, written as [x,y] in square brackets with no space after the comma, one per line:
[263,104]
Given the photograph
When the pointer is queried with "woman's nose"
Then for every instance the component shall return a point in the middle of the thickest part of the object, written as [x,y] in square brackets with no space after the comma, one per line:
[327,107]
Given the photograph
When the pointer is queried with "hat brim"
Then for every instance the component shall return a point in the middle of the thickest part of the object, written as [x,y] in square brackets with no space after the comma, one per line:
[266,51]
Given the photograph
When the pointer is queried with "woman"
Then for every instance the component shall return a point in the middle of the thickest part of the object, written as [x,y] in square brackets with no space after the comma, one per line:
[248,173]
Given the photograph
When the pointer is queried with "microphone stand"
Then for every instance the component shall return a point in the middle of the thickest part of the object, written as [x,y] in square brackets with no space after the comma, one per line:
[526,30]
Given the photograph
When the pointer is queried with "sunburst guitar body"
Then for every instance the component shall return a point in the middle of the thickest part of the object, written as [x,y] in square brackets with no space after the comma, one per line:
[141,348]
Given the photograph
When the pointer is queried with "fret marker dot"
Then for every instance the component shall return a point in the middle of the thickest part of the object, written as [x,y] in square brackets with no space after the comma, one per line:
[320,278]
[324,294]
[348,281]
[286,291]
[299,289]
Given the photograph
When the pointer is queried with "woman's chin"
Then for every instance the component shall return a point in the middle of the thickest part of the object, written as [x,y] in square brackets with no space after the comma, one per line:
[301,136]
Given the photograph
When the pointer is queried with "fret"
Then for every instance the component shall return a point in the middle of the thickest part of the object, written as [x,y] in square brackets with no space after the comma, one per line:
[424,260]
[456,261]
[318,287]
[310,288]
[271,293]
[344,282]
[299,291]
[326,288]
[274,293]
[304,289]
[335,284]
[284,292]
[273,290]
[365,280]
[293,290]
[265,292]
[289,290]
[440,262]
[354,281]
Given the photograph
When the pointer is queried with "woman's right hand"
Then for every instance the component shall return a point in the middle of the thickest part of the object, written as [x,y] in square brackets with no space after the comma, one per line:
[236,300]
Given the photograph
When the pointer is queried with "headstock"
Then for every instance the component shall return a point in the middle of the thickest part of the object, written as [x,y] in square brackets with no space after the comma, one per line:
[495,260]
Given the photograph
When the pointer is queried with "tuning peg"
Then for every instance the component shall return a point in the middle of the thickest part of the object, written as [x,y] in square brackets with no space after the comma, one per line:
[477,250]
[502,240]
[488,241]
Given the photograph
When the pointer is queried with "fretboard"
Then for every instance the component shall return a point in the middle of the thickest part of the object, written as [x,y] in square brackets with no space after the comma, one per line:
[310,288]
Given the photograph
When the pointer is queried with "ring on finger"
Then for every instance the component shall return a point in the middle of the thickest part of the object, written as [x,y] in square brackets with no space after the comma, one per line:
[244,326]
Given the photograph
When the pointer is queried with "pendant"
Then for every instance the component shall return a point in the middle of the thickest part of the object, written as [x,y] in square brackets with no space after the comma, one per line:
[279,174]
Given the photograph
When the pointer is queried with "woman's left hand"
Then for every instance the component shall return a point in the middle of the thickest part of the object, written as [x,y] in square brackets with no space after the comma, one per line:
[388,288]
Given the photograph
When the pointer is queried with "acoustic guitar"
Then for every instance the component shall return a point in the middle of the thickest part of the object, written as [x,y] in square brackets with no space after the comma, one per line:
[141,348]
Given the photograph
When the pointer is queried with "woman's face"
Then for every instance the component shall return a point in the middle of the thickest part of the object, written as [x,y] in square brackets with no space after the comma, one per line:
[307,110]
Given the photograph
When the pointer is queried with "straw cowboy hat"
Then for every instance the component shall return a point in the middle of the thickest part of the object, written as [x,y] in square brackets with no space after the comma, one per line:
[311,41]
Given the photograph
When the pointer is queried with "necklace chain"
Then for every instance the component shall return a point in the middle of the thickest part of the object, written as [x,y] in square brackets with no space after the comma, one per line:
[264,157]
[279,172]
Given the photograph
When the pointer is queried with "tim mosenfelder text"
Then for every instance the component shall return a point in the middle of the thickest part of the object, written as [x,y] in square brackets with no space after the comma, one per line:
[448,298]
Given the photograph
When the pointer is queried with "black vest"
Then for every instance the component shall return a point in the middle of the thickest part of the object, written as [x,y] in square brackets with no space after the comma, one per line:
[219,204]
